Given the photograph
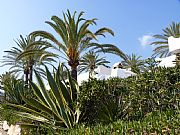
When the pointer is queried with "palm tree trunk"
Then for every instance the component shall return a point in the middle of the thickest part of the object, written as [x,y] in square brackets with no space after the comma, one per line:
[74,73]
[73,64]
[26,73]
[31,73]
[31,63]
[74,76]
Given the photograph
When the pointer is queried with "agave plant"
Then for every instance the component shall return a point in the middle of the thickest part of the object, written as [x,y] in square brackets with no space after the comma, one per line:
[54,108]
[13,88]
[113,110]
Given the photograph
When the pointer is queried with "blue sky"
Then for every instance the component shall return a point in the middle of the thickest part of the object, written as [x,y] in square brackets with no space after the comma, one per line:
[133,21]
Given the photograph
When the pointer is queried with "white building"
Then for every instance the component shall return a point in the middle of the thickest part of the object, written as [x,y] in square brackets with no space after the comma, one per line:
[174,48]
[103,72]
[167,62]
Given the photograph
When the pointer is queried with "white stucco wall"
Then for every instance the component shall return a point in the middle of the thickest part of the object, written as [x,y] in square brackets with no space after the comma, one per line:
[167,62]
[174,45]
[105,73]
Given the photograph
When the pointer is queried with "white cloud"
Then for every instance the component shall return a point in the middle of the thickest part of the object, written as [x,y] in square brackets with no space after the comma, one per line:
[145,40]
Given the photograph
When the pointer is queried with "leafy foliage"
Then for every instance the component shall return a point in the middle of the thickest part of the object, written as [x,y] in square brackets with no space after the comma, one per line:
[13,89]
[154,123]
[134,96]
[8,115]
[155,90]
[100,99]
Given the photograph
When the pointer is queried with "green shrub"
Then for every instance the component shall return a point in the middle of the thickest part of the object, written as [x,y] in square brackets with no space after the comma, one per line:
[156,122]
[9,115]
[134,97]
[155,90]
[103,100]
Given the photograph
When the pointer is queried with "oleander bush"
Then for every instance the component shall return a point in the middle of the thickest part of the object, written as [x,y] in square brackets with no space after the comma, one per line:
[131,98]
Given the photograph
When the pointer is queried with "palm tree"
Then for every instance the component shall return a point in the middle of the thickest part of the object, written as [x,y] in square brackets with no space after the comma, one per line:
[134,62]
[107,48]
[161,44]
[75,37]
[90,61]
[34,57]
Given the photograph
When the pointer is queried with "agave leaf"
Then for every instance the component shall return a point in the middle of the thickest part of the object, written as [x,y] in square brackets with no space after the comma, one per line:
[38,93]
[27,110]
[53,108]
[45,94]
[38,105]
[28,126]
[63,88]
[58,96]
[33,117]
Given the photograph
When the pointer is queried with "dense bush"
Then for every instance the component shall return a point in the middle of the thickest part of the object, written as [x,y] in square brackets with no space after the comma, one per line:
[133,97]
[8,115]
[166,123]
[103,100]
[155,90]
[139,104]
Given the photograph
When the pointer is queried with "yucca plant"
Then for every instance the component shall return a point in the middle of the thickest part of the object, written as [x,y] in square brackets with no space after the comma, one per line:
[54,108]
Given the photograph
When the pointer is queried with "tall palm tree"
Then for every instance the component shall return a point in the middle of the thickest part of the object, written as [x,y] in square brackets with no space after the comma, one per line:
[35,56]
[134,62]
[90,61]
[161,43]
[75,37]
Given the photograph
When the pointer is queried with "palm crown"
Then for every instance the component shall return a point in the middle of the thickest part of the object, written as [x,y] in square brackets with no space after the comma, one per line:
[27,56]
[75,37]
[134,62]
[90,61]
[161,43]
